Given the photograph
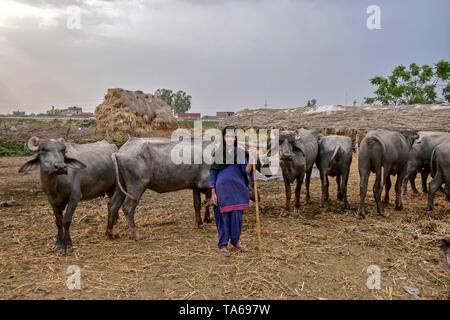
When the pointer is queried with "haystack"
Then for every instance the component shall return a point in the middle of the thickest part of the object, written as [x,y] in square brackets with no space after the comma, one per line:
[346,120]
[135,113]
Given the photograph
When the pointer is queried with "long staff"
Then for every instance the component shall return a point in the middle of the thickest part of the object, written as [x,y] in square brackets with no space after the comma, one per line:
[258,221]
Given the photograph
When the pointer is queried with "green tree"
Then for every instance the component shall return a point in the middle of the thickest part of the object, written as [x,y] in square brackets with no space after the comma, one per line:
[179,101]
[413,84]
[166,95]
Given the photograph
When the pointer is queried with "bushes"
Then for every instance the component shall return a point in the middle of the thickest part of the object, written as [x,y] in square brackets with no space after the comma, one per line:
[13,148]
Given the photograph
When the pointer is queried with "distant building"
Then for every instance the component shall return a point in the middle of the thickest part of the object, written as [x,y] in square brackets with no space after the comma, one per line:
[18,113]
[189,115]
[72,111]
[224,114]
[85,115]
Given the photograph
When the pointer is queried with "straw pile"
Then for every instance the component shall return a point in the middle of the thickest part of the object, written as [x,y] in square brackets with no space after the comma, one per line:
[335,119]
[135,113]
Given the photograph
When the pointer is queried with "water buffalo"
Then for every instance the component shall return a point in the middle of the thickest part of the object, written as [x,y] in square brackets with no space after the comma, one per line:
[445,252]
[70,173]
[298,152]
[419,157]
[334,159]
[440,170]
[389,150]
[145,164]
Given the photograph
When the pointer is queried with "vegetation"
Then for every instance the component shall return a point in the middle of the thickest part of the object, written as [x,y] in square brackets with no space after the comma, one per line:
[179,101]
[413,85]
[13,148]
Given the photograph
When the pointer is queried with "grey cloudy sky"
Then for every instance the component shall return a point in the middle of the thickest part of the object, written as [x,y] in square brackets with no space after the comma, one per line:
[227,54]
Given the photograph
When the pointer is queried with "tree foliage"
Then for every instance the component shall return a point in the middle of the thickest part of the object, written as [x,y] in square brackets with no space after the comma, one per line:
[179,101]
[413,85]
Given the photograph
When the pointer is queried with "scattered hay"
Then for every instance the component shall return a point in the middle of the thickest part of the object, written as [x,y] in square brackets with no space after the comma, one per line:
[321,254]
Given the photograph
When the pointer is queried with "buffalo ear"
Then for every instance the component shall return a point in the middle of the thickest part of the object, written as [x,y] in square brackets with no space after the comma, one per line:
[74,163]
[299,143]
[30,165]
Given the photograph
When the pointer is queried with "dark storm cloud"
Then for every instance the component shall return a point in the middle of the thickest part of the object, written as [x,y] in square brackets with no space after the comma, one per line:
[226,54]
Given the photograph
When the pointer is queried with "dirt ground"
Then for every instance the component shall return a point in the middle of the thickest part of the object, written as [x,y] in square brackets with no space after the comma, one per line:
[320,254]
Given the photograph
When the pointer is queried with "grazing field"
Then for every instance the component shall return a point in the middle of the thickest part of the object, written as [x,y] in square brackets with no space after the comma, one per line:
[320,254]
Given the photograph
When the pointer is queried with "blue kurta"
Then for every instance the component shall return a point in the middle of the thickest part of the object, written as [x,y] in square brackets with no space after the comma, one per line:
[232,192]
[232,197]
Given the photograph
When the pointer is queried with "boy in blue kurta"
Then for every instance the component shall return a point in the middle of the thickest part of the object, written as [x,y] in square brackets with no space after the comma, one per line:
[230,193]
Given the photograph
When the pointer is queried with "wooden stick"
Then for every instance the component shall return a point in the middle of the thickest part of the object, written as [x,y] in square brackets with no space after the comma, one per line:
[258,221]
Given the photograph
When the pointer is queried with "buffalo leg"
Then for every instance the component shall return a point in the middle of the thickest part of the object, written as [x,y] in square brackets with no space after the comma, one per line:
[113,211]
[298,189]
[412,169]
[324,181]
[412,182]
[447,191]
[339,189]
[308,182]
[344,188]
[435,184]
[129,207]
[58,211]
[387,189]
[287,209]
[363,181]
[398,192]
[207,217]
[424,175]
[66,245]
[197,208]
[377,190]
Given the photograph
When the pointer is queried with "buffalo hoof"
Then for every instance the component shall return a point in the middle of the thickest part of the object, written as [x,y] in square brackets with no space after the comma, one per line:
[361,214]
[58,245]
[297,211]
[308,200]
[207,220]
[398,207]
[285,213]
[134,234]
[66,247]
[111,235]
[347,206]
[384,214]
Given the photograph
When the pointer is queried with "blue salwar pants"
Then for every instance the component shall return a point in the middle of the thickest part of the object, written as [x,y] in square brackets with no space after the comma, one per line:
[229,226]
